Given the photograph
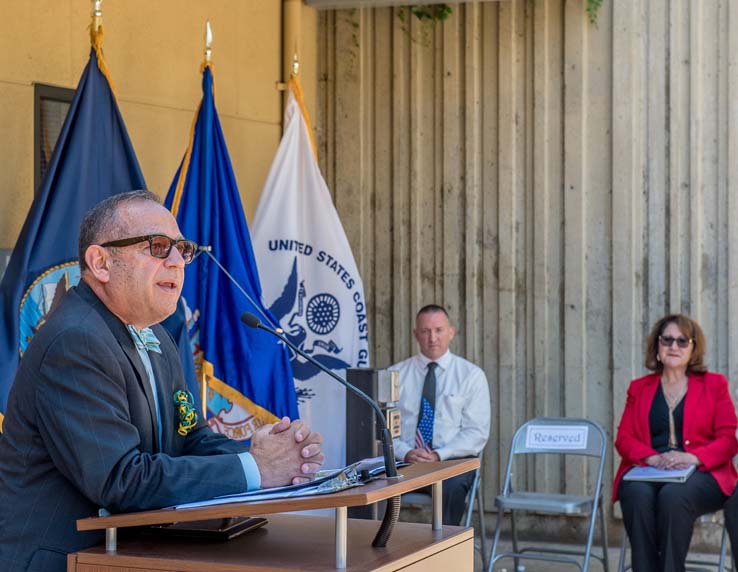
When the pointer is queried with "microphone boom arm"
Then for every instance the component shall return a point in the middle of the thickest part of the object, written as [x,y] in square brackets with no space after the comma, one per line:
[387,445]
[392,512]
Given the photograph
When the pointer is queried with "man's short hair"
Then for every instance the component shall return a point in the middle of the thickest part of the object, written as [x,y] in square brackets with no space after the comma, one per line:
[432,309]
[101,219]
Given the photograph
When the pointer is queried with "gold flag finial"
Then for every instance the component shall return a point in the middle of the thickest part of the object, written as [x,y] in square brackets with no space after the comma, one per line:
[96,15]
[295,65]
[208,42]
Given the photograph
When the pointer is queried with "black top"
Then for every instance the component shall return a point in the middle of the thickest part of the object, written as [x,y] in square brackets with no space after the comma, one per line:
[658,420]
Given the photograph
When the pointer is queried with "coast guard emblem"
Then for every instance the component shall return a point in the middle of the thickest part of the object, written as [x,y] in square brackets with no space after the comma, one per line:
[308,325]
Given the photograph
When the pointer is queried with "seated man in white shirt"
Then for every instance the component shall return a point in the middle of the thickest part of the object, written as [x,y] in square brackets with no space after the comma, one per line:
[444,404]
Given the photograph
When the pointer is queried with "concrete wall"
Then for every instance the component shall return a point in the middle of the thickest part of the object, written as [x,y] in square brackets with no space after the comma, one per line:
[558,185]
[153,51]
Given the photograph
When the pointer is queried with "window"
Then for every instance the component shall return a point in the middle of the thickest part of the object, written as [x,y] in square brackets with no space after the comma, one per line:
[51,105]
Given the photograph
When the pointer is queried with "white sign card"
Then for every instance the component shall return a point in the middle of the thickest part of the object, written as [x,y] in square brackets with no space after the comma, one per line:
[572,437]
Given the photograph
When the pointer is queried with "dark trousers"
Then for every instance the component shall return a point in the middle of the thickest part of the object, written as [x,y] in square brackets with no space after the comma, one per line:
[454,490]
[659,519]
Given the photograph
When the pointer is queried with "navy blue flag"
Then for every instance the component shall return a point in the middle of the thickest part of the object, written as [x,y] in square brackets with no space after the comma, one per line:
[93,159]
[248,377]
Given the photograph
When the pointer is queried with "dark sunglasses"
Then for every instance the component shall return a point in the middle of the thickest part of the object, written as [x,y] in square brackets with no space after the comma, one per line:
[667,341]
[160,245]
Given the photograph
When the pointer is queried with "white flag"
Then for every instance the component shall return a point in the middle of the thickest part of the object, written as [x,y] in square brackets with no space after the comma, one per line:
[310,280]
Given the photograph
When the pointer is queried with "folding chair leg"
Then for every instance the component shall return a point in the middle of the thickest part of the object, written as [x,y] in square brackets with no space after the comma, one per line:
[514,528]
[495,541]
[723,549]
[482,527]
[603,533]
[590,539]
[472,495]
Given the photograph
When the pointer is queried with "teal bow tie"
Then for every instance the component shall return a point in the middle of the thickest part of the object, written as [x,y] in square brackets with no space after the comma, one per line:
[145,339]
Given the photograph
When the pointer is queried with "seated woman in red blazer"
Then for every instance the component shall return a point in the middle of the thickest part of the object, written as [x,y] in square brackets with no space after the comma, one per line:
[677,416]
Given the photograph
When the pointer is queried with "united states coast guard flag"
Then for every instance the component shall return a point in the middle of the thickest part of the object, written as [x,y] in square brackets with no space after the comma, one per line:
[247,376]
[93,159]
[309,277]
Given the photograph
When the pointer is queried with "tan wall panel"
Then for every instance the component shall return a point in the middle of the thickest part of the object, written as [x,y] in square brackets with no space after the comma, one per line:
[252,148]
[154,51]
[158,156]
[169,46]
[16,108]
[39,43]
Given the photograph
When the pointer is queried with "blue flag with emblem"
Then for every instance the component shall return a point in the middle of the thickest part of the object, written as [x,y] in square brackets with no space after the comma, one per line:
[248,377]
[92,160]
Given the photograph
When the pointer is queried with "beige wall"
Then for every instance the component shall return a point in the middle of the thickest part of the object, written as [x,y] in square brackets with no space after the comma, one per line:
[557,185]
[153,51]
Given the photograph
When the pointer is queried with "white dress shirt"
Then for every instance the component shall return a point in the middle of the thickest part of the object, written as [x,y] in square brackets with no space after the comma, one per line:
[462,413]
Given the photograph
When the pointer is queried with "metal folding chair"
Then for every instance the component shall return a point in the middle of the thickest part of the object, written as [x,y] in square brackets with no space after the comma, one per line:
[693,564]
[559,436]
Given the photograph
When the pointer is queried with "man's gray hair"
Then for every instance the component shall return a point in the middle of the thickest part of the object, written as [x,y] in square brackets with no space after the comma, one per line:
[101,220]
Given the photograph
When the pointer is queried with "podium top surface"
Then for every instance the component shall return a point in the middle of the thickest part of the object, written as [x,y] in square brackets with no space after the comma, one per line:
[413,477]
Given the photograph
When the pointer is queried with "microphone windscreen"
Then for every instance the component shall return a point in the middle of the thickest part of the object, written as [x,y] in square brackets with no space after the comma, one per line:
[250,320]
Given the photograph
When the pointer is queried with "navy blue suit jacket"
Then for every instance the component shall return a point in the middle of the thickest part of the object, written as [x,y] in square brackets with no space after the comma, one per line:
[80,433]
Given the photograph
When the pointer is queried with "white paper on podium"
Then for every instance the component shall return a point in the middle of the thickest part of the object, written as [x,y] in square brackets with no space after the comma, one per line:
[326,482]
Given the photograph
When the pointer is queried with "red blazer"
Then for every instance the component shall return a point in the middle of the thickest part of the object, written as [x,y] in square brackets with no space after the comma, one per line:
[708,429]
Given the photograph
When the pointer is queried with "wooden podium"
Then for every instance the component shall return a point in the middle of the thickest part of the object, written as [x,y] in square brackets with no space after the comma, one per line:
[290,541]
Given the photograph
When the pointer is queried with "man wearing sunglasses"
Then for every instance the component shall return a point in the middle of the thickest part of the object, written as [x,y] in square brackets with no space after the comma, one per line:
[96,418]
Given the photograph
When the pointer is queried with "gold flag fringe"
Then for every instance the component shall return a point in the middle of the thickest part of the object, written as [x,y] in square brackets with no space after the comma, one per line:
[96,39]
[297,90]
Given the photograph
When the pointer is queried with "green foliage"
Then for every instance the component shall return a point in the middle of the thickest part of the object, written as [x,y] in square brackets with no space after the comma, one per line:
[593,7]
[428,15]
[438,12]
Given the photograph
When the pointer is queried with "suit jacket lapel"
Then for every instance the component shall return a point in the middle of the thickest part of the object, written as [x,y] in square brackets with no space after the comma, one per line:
[649,392]
[126,343]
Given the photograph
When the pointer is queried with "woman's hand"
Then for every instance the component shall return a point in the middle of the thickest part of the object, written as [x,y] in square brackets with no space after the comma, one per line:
[679,460]
[672,460]
[657,461]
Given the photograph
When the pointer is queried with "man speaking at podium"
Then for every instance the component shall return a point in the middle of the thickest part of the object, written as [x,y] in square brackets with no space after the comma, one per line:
[444,406]
[99,415]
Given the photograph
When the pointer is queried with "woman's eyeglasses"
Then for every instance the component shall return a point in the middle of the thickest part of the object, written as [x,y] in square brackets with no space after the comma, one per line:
[668,341]
[160,245]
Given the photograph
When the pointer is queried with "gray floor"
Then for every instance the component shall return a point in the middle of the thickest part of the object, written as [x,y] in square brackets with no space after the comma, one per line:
[411,514]
[533,566]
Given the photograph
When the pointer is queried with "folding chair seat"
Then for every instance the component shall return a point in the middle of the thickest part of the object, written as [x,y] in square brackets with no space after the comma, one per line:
[553,436]
[694,564]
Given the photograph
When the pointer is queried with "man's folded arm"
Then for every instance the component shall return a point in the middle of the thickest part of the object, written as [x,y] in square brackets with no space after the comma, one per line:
[85,423]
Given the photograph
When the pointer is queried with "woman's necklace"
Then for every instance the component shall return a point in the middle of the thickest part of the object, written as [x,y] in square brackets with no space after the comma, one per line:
[672,401]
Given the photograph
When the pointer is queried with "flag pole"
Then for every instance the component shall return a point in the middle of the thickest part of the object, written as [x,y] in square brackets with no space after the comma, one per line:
[294,85]
[295,66]
[96,16]
[208,62]
[96,39]
[208,42]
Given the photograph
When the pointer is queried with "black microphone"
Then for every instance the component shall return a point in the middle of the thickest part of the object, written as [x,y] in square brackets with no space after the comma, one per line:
[388,452]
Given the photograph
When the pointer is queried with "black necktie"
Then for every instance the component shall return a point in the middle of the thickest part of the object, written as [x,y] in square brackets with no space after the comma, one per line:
[427,408]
